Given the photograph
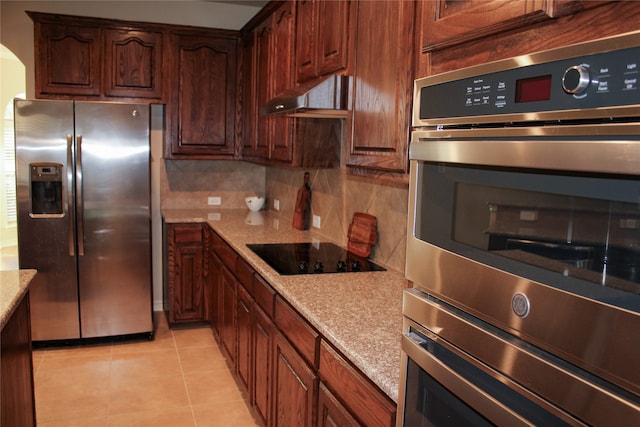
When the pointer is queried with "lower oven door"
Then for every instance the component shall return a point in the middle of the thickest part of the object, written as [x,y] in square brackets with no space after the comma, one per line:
[459,371]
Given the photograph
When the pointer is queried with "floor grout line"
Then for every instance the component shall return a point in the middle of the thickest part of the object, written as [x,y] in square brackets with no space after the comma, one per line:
[184,379]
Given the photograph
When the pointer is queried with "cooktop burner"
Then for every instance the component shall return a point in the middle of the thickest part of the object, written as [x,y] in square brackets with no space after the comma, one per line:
[311,258]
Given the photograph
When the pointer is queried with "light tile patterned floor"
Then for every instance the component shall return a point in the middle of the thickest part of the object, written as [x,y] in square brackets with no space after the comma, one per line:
[178,379]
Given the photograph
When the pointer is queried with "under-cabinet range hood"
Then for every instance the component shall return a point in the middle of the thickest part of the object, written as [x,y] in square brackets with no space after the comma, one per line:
[318,99]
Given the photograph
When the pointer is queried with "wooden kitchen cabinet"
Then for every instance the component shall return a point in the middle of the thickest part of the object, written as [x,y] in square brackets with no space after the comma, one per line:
[263,346]
[295,387]
[133,63]
[447,23]
[331,412]
[184,273]
[17,400]
[322,38]
[244,326]
[90,58]
[278,358]
[228,316]
[67,57]
[360,398]
[382,89]
[275,38]
[201,115]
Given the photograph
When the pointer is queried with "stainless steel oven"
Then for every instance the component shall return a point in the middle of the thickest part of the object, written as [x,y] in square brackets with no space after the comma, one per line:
[523,242]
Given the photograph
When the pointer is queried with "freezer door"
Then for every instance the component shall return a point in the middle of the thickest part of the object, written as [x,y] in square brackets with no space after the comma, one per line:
[44,135]
[114,221]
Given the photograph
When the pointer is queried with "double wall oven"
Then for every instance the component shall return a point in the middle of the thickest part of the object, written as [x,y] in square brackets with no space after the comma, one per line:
[523,242]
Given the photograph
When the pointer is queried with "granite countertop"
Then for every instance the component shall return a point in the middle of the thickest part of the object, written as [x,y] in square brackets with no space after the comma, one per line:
[359,313]
[13,286]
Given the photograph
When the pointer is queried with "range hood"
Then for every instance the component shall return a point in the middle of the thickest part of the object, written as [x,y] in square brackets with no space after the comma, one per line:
[318,99]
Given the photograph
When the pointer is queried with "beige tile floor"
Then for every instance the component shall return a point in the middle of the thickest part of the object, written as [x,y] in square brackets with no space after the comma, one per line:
[178,379]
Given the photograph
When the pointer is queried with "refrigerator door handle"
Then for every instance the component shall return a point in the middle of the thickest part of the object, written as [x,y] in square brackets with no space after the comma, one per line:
[79,197]
[69,205]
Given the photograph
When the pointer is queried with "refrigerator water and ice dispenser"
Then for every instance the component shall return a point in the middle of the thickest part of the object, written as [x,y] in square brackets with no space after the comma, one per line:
[46,190]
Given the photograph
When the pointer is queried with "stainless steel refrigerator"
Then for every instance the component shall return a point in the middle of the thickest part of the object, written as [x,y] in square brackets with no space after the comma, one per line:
[84,220]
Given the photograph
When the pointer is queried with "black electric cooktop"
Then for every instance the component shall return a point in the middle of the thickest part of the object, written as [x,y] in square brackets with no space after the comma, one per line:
[311,258]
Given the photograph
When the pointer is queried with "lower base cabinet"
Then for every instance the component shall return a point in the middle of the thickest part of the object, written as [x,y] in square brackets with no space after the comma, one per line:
[331,412]
[184,280]
[278,358]
[17,408]
[263,338]
[295,387]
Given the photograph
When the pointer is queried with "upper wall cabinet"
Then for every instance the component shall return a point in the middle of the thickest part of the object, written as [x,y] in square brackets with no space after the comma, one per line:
[271,65]
[86,57]
[382,92]
[133,63]
[450,22]
[322,42]
[202,112]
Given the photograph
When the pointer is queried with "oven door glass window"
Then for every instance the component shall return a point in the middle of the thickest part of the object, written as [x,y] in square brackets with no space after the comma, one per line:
[580,233]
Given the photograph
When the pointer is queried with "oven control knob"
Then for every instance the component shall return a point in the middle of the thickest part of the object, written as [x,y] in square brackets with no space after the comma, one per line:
[576,79]
[318,267]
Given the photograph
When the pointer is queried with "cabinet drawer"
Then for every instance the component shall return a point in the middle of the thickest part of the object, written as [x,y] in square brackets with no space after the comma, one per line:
[264,295]
[226,254]
[369,404]
[299,332]
[244,273]
[188,233]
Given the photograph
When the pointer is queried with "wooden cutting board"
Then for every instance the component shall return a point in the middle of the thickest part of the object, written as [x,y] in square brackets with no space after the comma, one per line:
[362,234]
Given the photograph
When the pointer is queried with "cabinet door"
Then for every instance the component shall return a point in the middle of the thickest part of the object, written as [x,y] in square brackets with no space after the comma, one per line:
[17,403]
[133,64]
[244,308]
[204,99]
[212,289]
[227,310]
[383,82]
[366,402]
[281,76]
[263,338]
[295,387]
[322,38]
[331,413]
[263,91]
[306,40]
[68,59]
[186,283]
[333,35]
[251,81]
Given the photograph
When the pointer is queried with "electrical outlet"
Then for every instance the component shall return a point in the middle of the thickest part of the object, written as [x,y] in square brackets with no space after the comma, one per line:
[316,221]
[214,201]
[276,204]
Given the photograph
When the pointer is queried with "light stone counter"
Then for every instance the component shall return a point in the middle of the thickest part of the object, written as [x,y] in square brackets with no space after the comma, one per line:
[14,284]
[359,313]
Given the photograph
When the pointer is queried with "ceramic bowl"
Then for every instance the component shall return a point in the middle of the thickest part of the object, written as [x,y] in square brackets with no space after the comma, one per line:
[254,203]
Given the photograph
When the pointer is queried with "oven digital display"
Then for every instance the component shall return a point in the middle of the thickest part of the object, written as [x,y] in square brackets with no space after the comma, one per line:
[533,89]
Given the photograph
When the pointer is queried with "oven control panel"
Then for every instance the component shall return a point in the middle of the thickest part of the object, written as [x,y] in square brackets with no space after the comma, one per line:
[552,81]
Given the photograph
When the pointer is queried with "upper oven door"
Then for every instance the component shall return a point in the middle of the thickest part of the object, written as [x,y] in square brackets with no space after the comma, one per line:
[535,235]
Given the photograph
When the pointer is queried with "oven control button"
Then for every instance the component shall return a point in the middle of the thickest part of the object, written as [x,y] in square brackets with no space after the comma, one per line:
[576,79]
[520,305]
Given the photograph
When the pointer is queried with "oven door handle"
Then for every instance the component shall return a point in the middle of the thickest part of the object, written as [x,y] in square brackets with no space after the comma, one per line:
[482,402]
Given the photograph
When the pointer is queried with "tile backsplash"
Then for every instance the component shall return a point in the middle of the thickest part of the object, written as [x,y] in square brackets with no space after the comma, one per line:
[336,196]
